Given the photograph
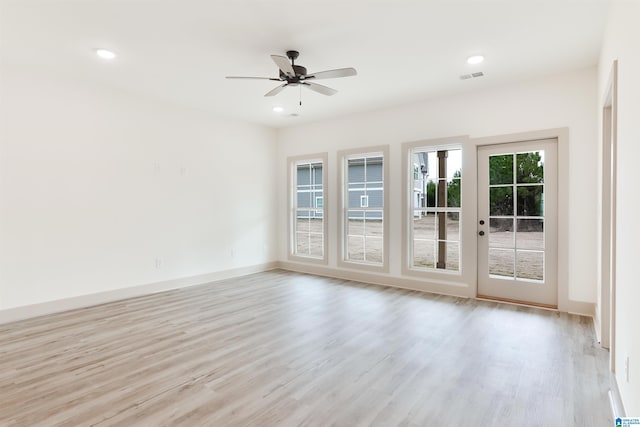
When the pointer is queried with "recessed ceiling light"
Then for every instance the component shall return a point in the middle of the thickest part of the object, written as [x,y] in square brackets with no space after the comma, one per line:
[105,54]
[278,109]
[476,59]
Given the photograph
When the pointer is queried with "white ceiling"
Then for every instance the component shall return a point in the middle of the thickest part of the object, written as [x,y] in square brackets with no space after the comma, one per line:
[404,50]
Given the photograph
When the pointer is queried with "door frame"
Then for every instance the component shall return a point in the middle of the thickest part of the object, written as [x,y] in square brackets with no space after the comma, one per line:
[606,313]
[562,136]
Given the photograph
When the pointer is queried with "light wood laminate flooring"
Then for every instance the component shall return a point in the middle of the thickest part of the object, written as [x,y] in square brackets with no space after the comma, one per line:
[281,348]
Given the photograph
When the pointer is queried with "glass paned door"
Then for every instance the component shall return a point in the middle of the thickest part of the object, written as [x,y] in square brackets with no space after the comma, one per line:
[517,215]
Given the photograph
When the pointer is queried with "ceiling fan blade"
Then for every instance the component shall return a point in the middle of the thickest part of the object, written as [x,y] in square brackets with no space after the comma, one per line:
[283,63]
[274,92]
[252,78]
[320,89]
[332,74]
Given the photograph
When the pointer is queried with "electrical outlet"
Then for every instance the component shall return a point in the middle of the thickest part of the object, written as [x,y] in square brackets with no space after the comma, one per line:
[626,368]
[158,263]
[232,253]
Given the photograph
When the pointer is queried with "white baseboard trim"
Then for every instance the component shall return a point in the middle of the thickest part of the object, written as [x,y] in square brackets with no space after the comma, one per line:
[580,308]
[615,400]
[50,307]
[452,289]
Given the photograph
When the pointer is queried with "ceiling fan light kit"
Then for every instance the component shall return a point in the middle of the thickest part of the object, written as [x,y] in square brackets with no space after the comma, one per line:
[293,75]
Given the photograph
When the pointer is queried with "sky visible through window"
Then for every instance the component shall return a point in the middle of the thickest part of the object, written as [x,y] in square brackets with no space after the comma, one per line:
[454,163]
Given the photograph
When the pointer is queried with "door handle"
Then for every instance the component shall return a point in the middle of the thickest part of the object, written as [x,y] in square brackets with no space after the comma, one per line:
[481,233]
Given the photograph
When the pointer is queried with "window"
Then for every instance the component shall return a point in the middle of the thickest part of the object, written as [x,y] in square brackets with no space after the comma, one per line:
[517,215]
[308,215]
[363,209]
[435,209]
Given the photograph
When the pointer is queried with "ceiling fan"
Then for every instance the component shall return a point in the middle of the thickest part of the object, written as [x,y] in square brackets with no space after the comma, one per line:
[296,75]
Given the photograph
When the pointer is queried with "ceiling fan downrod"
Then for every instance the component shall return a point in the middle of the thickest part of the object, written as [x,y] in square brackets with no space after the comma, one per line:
[293,55]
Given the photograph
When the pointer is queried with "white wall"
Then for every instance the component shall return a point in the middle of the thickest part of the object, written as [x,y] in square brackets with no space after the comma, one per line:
[622,42]
[96,184]
[566,100]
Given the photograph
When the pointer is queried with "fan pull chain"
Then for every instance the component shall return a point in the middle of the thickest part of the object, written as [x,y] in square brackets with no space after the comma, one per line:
[300,95]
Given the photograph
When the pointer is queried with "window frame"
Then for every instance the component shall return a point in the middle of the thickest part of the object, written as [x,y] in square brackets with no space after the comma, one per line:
[407,182]
[292,164]
[343,157]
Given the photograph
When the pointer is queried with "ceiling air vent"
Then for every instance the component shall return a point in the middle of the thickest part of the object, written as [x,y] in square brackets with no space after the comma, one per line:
[471,76]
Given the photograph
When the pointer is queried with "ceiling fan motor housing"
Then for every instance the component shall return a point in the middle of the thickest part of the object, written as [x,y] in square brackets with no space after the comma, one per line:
[301,73]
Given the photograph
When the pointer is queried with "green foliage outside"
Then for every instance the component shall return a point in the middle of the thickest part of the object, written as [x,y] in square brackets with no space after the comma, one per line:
[529,199]
[453,191]
[529,170]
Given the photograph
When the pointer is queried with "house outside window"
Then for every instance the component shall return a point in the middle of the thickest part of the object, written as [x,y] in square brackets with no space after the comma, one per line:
[364,224]
[308,228]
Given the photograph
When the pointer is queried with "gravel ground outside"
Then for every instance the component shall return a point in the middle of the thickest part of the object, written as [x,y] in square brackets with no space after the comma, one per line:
[365,244]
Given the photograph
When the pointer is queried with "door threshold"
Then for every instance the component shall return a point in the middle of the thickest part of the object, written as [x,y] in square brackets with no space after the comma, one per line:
[517,302]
